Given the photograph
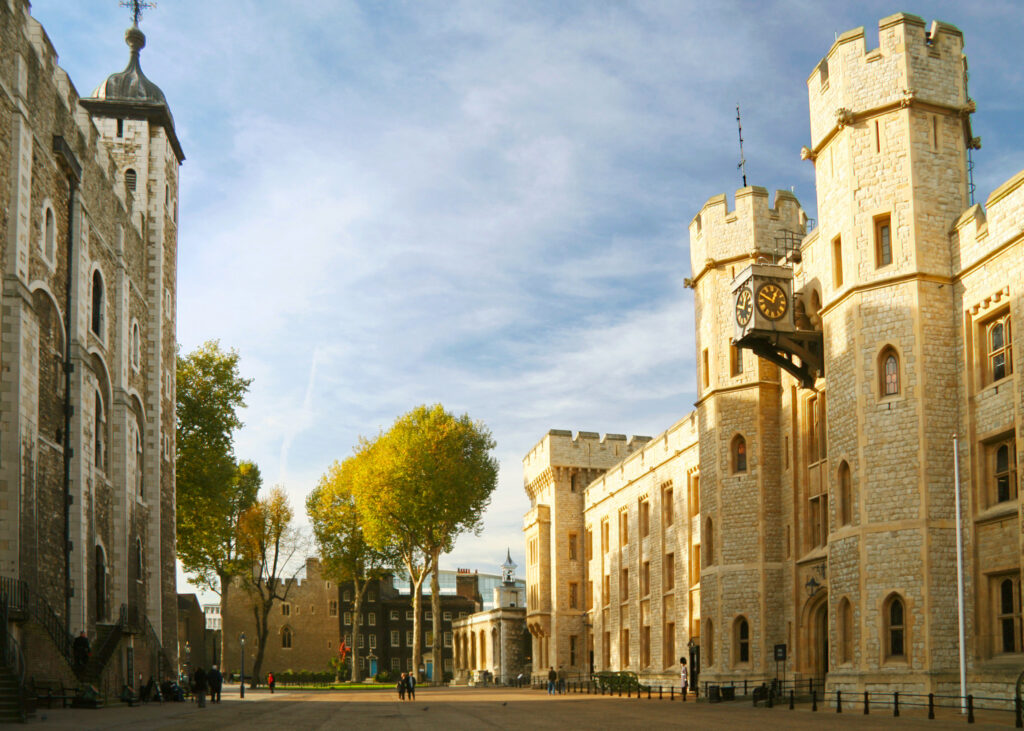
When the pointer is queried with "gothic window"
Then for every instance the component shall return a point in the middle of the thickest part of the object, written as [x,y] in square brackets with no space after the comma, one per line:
[837,262]
[998,356]
[1002,457]
[883,241]
[136,346]
[735,361]
[845,496]
[895,628]
[889,372]
[845,626]
[49,242]
[130,179]
[100,428]
[98,304]
[138,458]
[286,637]
[741,640]
[739,454]
[1008,615]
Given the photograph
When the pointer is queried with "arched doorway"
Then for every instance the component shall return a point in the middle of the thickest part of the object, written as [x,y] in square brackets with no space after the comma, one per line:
[819,640]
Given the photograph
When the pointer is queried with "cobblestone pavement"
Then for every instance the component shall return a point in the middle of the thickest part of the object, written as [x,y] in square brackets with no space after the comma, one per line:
[454,709]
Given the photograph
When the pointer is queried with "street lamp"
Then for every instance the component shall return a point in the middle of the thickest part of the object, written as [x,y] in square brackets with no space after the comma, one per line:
[241,684]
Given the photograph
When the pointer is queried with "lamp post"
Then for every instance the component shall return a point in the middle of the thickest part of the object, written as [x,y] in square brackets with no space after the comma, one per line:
[241,683]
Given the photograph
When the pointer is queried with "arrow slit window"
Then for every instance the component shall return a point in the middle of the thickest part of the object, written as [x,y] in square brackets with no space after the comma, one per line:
[883,241]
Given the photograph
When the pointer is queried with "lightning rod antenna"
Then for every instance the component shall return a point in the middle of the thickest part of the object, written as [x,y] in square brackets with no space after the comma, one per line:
[743,163]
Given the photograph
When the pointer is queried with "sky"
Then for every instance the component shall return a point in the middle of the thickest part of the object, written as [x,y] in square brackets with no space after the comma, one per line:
[482,204]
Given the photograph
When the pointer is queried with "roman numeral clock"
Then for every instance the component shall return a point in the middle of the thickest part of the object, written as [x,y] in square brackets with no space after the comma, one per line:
[764,305]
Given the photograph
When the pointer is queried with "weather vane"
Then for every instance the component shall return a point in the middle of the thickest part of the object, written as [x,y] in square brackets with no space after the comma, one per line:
[137,6]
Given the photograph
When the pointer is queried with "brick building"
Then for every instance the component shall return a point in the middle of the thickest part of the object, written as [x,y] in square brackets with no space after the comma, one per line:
[87,361]
[809,500]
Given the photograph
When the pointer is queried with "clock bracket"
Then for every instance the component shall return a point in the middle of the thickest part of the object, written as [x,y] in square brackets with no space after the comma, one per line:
[798,353]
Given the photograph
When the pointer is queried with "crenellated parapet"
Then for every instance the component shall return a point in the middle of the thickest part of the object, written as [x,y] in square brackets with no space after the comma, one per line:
[587,454]
[980,231]
[719,235]
[912,65]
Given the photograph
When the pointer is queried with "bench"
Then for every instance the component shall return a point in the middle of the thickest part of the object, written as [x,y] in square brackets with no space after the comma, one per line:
[47,691]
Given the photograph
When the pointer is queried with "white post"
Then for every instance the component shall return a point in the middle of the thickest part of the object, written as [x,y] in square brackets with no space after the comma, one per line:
[960,577]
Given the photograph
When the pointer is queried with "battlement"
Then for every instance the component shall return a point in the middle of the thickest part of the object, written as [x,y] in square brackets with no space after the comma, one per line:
[981,230]
[911,64]
[717,233]
[581,449]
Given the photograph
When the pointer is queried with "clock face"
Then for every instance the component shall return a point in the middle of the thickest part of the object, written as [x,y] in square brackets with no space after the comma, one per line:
[744,307]
[771,301]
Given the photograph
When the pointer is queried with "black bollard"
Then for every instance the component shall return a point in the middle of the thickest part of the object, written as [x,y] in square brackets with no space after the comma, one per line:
[648,692]
[839,701]
[659,692]
[791,699]
[866,706]
[895,704]
[814,700]
[744,687]
[671,692]
[970,709]
[931,706]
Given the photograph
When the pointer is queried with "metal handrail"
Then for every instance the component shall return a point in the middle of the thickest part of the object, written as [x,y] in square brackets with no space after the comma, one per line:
[13,658]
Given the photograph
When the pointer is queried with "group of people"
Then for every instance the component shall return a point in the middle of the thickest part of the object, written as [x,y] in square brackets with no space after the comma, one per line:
[203,681]
[556,681]
[406,687]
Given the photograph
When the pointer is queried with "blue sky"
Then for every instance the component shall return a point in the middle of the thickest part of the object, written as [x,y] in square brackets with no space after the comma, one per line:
[479,203]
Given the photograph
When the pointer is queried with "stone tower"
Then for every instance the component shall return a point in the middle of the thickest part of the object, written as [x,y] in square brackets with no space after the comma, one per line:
[556,471]
[741,459]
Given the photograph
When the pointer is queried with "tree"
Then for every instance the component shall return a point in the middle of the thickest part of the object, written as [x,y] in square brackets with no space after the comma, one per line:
[212,490]
[344,552]
[268,547]
[428,479]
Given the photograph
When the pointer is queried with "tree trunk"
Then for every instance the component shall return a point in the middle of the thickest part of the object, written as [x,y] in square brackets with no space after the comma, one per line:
[435,609]
[263,630]
[225,583]
[357,610]
[417,644]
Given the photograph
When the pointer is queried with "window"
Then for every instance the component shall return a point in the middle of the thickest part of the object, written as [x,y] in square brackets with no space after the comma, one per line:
[708,541]
[706,369]
[347,595]
[286,638]
[347,619]
[735,361]
[883,241]
[373,642]
[573,555]
[100,428]
[645,578]
[694,495]
[645,645]
[49,241]
[667,507]
[589,543]
[332,608]
[845,631]
[1002,456]
[1008,616]
[695,565]
[130,178]
[572,482]
[889,372]
[623,528]
[408,615]
[604,536]
[623,585]
[428,616]
[372,597]
[845,496]
[606,588]
[447,616]
[139,462]
[573,642]
[708,643]
[446,638]
[461,615]
[408,638]
[373,619]
[394,615]
[742,640]
[362,640]
[645,518]
[895,628]
[286,609]
[739,454]
[396,663]
[590,595]
[606,650]
[574,591]
[136,346]
[818,520]
[138,560]
[999,357]
[624,648]
[396,638]
[98,304]
[837,262]
[669,658]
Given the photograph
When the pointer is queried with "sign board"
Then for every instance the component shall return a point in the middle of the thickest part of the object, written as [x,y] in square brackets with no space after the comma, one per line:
[780,653]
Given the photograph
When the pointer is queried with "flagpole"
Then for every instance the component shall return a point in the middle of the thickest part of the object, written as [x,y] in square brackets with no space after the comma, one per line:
[960,576]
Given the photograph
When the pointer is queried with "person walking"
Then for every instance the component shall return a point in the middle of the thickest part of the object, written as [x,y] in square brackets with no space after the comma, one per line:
[683,675]
[410,687]
[552,679]
[561,679]
[270,681]
[216,681]
[199,681]
[81,650]
[400,686]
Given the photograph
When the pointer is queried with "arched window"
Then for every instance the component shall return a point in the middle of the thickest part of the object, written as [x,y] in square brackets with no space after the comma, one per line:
[100,428]
[101,583]
[889,372]
[845,631]
[129,179]
[49,235]
[708,542]
[98,304]
[286,637]
[845,495]
[741,640]
[895,628]
[136,346]
[708,643]
[739,454]
[138,459]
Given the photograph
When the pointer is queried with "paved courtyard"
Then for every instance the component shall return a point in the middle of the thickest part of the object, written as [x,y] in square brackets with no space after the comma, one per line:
[453,709]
